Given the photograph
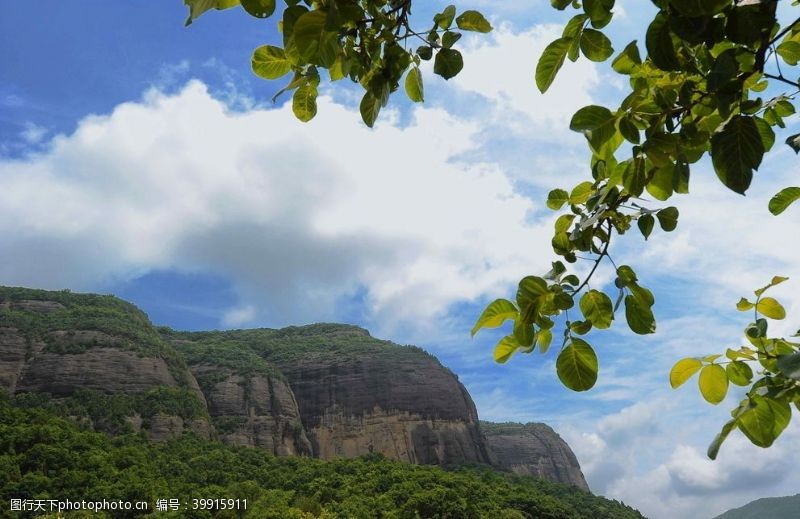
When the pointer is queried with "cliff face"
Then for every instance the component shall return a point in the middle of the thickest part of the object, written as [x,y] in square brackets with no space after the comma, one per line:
[358,395]
[325,390]
[533,449]
[87,351]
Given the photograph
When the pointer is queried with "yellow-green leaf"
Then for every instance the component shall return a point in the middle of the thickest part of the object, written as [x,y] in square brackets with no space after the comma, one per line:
[413,84]
[473,21]
[543,338]
[550,62]
[739,373]
[304,102]
[495,314]
[713,383]
[597,308]
[505,349]
[683,371]
[270,62]
[576,365]
[743,305]
[769,307]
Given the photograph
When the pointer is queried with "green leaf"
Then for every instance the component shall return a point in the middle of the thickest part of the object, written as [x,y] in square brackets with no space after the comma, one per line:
[543,339]
[668,218]
[646,222]
[628,130]
[425,52]
[789,365]
[683,371]
[776,280]
[627,60]
[770,307]
[736,151]
[713,449]
[473,21]
[270,62]
[550,62]
[660,47]
[633,177]
[581,193]
[696,8]
[449,38]
[304,102]
[560,4]
[789,51]
[597,308]
[743,305]
[595,45]
[505,349]
[662,182]
[309,34]
[495,314]
[524,333]
[370,107]
[259,8]
[413,84]
[713,383]
[448,63]
[580,327]
[639,316]
[783,199]
[198,7]
[739,373]
[599,11]
[445,19]
[556,199]
[764,421]
[590,118]
[577,366]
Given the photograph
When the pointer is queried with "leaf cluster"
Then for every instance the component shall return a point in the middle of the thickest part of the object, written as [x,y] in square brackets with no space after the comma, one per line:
[370,42]
[767,407]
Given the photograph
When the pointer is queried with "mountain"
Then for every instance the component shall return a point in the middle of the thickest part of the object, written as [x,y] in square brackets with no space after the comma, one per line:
[533,449]
[325,390]
[787,507]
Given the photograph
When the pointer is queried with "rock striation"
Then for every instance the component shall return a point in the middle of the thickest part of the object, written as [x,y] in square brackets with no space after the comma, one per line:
[323,390]
[533,449]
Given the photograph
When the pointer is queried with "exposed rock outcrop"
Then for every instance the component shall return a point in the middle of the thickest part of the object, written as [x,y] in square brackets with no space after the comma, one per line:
[253,410]
[324,390]
[533,449]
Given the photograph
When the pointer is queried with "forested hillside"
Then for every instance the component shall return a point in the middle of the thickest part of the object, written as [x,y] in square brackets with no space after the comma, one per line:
[44,456]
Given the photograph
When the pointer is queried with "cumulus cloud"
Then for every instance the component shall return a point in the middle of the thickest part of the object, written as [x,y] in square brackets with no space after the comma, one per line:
[296,216]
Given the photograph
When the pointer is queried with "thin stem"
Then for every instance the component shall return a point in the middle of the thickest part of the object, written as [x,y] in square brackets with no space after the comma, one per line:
[781,78]
[603,253]
[787,29]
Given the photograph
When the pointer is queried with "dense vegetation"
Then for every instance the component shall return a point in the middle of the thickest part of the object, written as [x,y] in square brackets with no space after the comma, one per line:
[772,507]
[287,345]
[118,324]
[44,456]
[112,413]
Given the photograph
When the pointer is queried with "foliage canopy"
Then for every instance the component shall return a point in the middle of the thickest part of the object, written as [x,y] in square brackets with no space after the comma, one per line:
[713,78]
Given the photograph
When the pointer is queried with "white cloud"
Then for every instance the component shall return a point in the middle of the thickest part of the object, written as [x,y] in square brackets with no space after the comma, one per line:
[298,216]
[33,133]
[238,316]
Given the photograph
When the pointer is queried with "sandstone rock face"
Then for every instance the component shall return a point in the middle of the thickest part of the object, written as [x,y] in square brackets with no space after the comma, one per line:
[103,369]
[534,449]
[43,351]
[389,399]
[254,410]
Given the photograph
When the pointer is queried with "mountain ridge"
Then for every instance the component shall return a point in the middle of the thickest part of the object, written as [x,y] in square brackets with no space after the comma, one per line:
[325,390]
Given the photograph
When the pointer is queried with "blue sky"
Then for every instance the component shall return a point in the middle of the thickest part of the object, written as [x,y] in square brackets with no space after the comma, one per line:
[142,158]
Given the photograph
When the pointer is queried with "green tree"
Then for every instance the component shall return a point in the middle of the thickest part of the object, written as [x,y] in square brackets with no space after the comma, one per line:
[714,81]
